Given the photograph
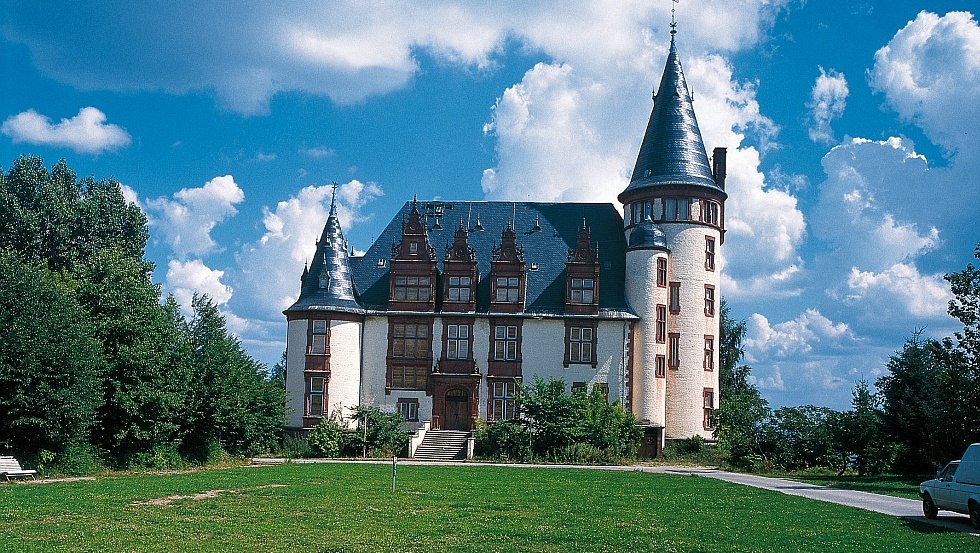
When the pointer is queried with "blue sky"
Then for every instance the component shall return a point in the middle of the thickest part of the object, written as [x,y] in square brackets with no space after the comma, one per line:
[851,128]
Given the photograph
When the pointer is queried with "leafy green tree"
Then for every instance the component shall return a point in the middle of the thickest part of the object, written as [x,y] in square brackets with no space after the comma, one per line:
[383,435]
[146,385]
[863,432]
[232,405]
[803,437]
[551,415]
[50,363]
[608,427]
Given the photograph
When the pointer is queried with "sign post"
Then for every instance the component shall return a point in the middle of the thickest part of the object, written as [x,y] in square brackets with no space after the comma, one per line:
[394,472]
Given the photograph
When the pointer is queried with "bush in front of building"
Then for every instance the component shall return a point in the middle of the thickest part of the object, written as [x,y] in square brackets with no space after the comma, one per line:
[502,440]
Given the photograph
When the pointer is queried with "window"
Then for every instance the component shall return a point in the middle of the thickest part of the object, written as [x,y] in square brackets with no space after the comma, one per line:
[709,405]
[314,396]
[505,343]
[677,209]
[709,353]
[580,342]
[674,297]
[459,288]
[412,288]
[709,253]
[458,341]
[661,324]
[662,272]
[318,345]
[583,388]
[409,377]
[583,290]
[709,212]
[507,289]
[661,367]
[674,350]
[709,300]
[413,248]
[503,406]
[410,341]
[408,408]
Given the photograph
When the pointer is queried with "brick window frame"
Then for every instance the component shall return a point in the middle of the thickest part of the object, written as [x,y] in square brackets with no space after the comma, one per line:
[505,367]
[674,350]
[408,408]
[409,359]
[709,352]
[709,407]
[581,339]
[661,324]
[674,297]
[502,401]
[709,253]
[318,337]
[709,300]
[315,404]
[662,272]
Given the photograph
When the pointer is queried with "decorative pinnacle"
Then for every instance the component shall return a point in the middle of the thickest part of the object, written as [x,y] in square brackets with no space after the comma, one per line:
[333,199]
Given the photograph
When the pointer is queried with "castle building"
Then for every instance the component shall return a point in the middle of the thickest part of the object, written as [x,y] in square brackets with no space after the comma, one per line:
[457,302]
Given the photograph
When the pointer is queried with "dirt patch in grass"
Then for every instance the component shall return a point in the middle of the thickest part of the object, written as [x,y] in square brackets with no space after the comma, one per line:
[210,494]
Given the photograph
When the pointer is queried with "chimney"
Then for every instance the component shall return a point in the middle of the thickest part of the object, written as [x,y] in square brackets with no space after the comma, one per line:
[718,166]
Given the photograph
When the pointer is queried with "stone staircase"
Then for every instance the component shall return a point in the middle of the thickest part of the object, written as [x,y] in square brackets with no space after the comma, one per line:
[442,445]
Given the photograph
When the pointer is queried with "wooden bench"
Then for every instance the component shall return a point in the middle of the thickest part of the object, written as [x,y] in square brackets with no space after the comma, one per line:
[9,467]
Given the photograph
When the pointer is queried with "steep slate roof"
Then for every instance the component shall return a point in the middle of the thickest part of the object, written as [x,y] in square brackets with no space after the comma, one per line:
[331,261]
[672,152]
[545,253]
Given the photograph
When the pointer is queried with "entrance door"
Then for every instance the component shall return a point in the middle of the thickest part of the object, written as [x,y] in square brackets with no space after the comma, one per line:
[457,410]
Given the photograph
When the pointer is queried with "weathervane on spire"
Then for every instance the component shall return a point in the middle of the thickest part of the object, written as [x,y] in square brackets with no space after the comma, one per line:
[333,198]
[673,22]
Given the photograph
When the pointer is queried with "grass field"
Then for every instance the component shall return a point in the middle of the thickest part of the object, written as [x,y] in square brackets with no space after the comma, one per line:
[349,507]
[888,484]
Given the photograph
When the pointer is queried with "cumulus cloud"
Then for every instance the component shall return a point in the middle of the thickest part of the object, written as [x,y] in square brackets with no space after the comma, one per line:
[792,337]
[827,102]
[347,51]
[186,278]
[318,152]
[923,296]
[928,72]
[85,133]
[269,268]
[185,221]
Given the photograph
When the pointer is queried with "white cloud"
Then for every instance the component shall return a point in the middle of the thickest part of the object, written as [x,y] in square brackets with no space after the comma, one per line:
[85,133]
[922,296]
[269,268]
[186,221]
[186,278]
[349,51]
[318,152]
[791,337]
[827,102]
[263,156]
[929,72]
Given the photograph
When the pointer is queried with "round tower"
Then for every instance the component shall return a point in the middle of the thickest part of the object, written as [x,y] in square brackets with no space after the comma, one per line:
[673,216]
[324,333]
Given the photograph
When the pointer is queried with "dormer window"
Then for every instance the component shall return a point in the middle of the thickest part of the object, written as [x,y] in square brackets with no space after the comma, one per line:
[459,288]
[413,248]
[583,290]
[508,289]
[412,288]
[324,279]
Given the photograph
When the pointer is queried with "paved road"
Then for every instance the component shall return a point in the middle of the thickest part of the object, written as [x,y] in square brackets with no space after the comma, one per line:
[909,509]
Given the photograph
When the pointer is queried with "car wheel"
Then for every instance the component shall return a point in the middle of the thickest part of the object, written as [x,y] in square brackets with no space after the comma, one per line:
[975,514]
[928,507]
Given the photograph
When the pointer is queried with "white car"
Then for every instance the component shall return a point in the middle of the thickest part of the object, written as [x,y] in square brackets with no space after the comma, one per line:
[956,488]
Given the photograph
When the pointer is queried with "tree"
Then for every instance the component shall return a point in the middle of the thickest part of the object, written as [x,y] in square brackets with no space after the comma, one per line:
[803,438]
[863,433]
[145,385]
[50,363]
[550,414]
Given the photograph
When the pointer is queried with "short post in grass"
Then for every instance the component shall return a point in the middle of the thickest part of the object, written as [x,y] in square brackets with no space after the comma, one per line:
[394,472]
[364,440]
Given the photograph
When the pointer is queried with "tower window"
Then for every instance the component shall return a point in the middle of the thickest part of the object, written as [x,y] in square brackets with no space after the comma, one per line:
[662,272]
[318,344]
[709,300]
[674,350]
[709,405]
[661,366]
[674,297]
[709,253]
[709,212]
[314,396]
[661,324]
[709,353]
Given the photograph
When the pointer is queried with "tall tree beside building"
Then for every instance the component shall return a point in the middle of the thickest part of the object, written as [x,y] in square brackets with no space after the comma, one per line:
[50,362]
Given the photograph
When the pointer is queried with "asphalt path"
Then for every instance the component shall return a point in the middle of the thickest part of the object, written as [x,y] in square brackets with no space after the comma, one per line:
[907,509]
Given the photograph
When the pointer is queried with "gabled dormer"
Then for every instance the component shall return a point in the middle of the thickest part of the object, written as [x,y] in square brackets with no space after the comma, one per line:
[459,278]
[582,280]
[413,268]
[508,280]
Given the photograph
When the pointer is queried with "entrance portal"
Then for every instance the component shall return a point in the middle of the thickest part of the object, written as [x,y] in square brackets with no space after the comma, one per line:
[457,410]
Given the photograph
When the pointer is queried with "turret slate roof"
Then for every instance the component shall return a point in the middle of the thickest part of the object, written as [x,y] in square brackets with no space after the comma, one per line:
[672,151]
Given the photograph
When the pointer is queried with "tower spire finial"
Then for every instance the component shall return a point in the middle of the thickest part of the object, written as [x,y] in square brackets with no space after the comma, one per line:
[333,199]
[673,22]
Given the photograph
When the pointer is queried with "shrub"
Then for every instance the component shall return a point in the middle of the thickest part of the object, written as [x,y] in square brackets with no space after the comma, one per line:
[385,434]
[325,438]
[503,440]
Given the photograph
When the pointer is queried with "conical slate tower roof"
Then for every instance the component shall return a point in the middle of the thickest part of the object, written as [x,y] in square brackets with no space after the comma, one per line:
[672,152]
[328,284]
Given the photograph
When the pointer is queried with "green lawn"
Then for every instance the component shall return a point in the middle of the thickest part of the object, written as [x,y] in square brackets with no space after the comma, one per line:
[886,484]
[346,508]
